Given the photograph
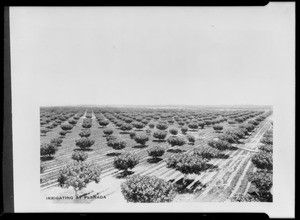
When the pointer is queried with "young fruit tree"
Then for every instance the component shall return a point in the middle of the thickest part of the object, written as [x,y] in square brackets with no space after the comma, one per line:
[231,121]
[119,123]
[141,139]
[236,133]
[229,138]
[88,115]
[181,123]
[161,126]
[176,141]
[132,135]
[87,123]
[218,128]
[206,152]
[156,152]
[266,148]
[156,117]
[263,160]
[111,137]
[147,189]
[184,129]
[85,133]
[201,124]
[148,131]
[128,120]
[125,162]
[138,125]
[267,140]
[151,125]
[72,121]
[103,123]
[113,143]
[170,121]
[173,131]
[63,133]
[54,124]
[207,122]
[193,126]
[239,120]
[108,131]
[187,164]
[145,122]
[117,144]
[56,141]
[48,150]
[247,126]
[84,143]
[263,182]
[253,122]
[50,126]
[219,144]
[66,127]
[44,131]
[191,139]
[77,175]
[160,135]
[126,127]
[79,156]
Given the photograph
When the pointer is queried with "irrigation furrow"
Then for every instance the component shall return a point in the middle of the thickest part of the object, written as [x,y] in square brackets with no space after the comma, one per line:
[240,180]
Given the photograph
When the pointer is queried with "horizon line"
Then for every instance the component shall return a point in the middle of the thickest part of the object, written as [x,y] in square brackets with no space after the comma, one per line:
[161,105]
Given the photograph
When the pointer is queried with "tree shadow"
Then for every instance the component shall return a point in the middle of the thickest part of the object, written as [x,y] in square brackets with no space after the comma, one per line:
[239,142]
[154,160]
[209,166]
[222,156]
[124,132]
[138,130]
[140,146]
[181,185]
[85,149]
[124,174]
[176,150]
[113,154]
[232,148]
[159,141]
[191,143]
[265,197]
[46,158]
[198,186]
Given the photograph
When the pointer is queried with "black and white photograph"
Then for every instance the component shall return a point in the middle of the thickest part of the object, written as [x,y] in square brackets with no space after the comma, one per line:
[154,109]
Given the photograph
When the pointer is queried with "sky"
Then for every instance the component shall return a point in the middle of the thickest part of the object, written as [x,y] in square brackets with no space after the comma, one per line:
[152,56]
